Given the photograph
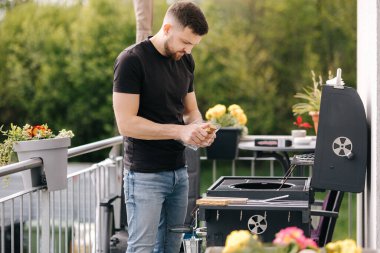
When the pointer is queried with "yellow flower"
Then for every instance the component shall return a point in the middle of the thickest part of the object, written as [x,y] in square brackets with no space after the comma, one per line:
[233,107]
[343,246]
[233,117]
[242,119]
[220,110]
[237,240]
[236,112]
[209,114]
[240,241]
[216,112]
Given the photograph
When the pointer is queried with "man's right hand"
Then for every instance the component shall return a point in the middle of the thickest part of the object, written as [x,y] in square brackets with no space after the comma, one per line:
[196,134]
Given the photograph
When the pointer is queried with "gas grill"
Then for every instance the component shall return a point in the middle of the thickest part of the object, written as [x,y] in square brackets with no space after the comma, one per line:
[339,164]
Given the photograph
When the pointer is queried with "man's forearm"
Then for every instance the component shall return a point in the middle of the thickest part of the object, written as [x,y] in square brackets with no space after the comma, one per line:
[193,117]
[141,128]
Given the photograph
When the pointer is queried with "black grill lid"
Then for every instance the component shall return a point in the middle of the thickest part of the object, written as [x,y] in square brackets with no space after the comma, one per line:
[341,149]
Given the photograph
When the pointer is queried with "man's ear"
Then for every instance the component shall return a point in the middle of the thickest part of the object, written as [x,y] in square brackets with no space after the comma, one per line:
[167,28]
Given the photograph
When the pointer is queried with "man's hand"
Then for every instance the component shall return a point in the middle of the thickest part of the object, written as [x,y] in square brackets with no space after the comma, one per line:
[211,130]
[194,134]
[201,135]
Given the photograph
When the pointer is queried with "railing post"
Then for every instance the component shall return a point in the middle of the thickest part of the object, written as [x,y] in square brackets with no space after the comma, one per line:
[213,170]
[45,222]
[233,168]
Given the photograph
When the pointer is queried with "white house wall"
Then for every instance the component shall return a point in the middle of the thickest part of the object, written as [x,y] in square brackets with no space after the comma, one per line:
[368,206]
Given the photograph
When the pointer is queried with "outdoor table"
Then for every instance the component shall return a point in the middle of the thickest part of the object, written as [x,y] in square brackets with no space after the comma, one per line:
[280,152]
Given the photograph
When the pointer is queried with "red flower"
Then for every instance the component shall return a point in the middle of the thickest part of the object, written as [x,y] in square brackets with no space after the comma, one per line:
[301,124]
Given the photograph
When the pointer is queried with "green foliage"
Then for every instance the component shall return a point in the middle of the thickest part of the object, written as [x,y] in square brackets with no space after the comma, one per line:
[56,65]
[232,66]
[15,133]
[311,97]
[56,62]
[32,45]
[103,29]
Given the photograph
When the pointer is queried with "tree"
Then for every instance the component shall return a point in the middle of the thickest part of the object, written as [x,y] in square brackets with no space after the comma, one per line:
[103,29]
[232,66]
[56,65]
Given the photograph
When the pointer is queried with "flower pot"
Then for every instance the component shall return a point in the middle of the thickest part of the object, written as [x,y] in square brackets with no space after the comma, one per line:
[225,146]
[53,153]
[298,133]
[315,117]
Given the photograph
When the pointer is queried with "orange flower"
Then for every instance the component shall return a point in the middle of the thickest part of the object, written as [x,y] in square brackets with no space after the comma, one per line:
[38,130]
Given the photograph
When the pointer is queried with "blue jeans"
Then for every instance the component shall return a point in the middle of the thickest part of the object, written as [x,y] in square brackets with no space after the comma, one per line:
[155,202]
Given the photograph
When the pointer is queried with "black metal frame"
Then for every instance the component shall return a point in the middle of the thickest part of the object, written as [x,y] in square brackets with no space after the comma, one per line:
[329,214]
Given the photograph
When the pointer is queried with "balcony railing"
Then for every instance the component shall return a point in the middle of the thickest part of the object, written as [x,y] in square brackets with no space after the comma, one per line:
[36,220]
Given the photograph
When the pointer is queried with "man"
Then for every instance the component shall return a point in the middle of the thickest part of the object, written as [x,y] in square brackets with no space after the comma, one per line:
[156,110]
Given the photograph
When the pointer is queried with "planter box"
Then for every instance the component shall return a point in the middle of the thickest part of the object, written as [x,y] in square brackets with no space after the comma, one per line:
[53,153]
[225,146]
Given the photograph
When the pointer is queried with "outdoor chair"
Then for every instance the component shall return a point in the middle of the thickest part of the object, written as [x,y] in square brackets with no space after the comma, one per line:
[323,232]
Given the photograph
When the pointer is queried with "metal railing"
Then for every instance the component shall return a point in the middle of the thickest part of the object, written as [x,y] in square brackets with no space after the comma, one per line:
[36,220]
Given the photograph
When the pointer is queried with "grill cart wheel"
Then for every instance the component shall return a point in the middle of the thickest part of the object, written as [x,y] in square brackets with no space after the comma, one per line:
[257,224]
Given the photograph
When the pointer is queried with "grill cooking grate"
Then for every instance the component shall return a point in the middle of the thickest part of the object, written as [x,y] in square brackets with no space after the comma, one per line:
[298,160]
[304,159]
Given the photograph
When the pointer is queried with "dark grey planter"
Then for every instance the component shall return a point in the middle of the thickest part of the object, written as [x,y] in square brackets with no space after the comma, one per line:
[225,146]
[53,153]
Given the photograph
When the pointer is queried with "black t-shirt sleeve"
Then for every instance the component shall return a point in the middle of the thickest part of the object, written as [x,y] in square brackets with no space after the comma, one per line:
[128,74]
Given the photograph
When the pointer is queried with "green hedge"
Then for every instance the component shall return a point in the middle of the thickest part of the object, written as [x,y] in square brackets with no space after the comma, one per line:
[56,62]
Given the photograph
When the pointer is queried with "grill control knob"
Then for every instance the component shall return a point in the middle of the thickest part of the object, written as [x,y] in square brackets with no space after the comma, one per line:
[342,146]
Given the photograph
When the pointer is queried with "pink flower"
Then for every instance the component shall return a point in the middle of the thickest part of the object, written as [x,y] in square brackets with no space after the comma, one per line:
[294,236]
[310,243]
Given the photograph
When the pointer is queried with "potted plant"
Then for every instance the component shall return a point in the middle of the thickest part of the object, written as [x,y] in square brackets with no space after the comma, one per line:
[300,124]
[233,124]
[312,100]
[38,141]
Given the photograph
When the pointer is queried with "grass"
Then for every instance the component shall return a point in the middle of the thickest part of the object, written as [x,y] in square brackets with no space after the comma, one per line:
[243,168]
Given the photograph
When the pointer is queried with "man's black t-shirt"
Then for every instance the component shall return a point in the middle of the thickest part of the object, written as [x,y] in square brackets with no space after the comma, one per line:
[162,84]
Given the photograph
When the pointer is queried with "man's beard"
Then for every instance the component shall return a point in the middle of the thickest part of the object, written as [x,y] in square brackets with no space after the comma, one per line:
[169,53]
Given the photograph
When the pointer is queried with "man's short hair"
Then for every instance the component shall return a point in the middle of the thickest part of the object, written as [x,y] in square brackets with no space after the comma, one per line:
[189,15]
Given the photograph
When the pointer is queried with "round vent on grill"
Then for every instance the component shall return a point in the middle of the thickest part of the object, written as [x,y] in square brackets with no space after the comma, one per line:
[257,224]
[342,146]
[261,186]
